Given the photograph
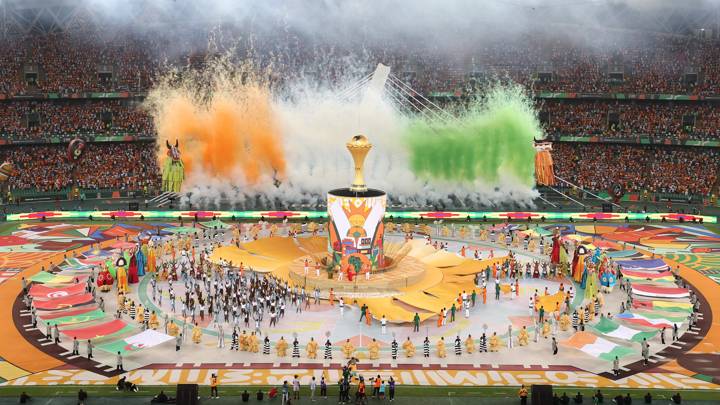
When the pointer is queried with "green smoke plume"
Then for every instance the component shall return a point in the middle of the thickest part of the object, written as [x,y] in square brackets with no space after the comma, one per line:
[492,136]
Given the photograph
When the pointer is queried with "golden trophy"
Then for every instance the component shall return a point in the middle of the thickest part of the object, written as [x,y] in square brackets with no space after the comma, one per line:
[359,146]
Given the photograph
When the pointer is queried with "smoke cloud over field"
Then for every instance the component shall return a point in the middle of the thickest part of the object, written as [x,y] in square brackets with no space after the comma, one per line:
[406,23]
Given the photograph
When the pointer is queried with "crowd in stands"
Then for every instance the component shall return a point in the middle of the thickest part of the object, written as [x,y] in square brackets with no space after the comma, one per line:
[681,170]
[53,118]
[588,62]
[658,119]
[648,63]
[117,166]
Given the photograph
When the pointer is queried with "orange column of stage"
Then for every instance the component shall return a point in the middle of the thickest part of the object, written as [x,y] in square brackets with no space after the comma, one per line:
[13,346]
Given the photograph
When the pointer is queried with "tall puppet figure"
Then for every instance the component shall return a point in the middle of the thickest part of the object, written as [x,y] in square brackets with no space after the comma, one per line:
[121,274]
[173,172]
[555,254]
[544,173]
[141,259]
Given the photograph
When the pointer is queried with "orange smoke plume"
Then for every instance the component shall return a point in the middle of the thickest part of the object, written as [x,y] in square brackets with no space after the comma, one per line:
[226,129]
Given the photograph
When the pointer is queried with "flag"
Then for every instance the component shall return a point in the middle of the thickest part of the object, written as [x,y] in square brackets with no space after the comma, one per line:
[596,346]
[662,277]
[610,328]
[659,305]
[43,292]
[70,312]
[113,327]
[550,303]
[64,302]
[74,319]
[142,340]
[643,264]
[44,277]
[650,320]
[76,264]
[660,292]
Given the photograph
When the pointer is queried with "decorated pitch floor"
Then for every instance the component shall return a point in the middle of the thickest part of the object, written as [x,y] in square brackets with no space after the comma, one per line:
[692,362]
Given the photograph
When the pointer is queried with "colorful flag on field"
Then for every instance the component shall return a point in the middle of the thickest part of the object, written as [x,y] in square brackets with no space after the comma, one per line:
[643,264]
[550,303]
[75,319]
[113,327]
[44,277]
[46,315]
[43,292]
[661,277]
[610,328]
[142,340]
[76,264]
[660,292]
[596,346]
[650,320]
[660,305]
[64,302]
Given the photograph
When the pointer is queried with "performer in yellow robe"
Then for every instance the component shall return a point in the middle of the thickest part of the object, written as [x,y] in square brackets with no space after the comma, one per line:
[154,321]
[244,344]
[348,349]
[151,261]
[546,329]
[196,334]
[374,350]
[173,329]
[495,342]
[441,348]
[409,348]
[470,345]
[564,322]
[523,336]
[281,347]
[122,279]
[121,301]
[140,314]
[253,344]
[311,348]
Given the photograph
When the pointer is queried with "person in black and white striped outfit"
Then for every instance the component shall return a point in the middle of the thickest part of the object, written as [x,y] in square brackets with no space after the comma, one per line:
[328,350]
[394,349]
[296,349]
[426,347]
[575,320]
[458,348]
[266,345]
[483,344]
[234,341]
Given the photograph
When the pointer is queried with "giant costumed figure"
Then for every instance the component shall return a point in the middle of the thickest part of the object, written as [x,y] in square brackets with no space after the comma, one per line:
[121,273]
[555,254]
[544,173]
[578,263]
[173,172]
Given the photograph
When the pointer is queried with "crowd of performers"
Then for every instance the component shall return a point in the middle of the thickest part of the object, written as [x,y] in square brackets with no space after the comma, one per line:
[243,303]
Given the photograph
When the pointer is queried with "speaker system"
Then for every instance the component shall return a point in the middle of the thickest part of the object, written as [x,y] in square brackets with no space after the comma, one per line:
[134,206]
[607,207]
[187,394]
[541,394]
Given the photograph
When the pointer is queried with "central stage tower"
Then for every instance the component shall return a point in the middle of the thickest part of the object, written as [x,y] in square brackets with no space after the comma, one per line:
[355,217]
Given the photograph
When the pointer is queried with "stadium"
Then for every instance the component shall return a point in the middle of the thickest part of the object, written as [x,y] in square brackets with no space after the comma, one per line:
[316,201]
